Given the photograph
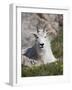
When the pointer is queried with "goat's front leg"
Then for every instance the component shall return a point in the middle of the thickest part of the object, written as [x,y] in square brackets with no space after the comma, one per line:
[33,62]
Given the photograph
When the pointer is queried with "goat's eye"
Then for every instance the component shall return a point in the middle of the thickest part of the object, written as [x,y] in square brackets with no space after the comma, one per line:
[37,37]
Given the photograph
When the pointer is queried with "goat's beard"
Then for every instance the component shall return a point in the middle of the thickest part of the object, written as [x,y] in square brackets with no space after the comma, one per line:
[40,50]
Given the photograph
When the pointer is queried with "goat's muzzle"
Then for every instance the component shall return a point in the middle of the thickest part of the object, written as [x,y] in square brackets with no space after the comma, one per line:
[41,45]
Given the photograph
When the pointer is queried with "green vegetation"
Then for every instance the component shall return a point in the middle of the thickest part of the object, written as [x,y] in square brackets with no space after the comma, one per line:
[55,68]
[57,45]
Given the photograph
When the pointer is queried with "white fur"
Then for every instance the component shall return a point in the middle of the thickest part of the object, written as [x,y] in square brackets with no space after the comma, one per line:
[44,53]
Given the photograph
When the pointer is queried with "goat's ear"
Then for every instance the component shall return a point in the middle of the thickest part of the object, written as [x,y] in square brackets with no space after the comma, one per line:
[35,35]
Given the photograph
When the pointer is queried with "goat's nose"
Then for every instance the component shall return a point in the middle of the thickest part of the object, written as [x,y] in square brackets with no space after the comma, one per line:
[42,44]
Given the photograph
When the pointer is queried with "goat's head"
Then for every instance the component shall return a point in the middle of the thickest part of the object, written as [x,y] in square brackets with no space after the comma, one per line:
[41,36]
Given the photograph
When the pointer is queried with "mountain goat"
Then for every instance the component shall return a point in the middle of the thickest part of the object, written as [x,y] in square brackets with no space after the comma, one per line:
[40,52]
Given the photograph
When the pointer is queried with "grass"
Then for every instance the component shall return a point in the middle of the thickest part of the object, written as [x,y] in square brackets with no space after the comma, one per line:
[55,68]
